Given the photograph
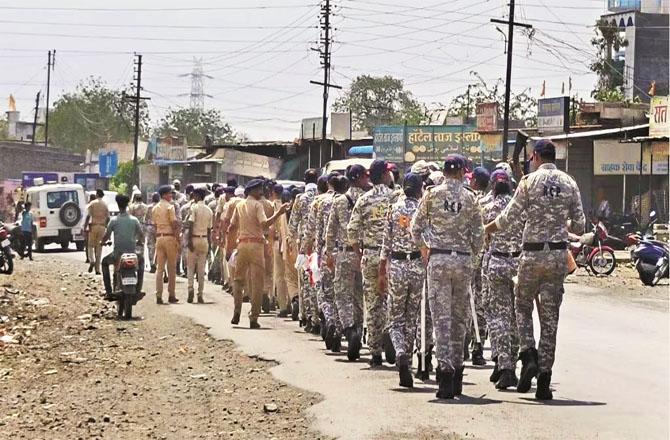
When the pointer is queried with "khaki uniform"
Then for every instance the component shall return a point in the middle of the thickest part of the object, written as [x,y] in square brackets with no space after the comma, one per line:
[269,261]
[248,218]
[99,216]
[229,239]
[201,224]
[167,246]
[279,258]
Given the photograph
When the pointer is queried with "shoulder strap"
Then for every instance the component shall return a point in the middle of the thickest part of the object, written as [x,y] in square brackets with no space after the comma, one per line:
[350,200]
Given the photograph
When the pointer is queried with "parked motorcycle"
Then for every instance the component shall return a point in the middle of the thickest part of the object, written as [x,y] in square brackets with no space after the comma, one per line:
[126,292]
[590,252]
[6,256]
[650,256]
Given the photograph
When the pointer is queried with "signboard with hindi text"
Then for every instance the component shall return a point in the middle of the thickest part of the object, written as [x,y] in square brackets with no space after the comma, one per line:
[425,142]
[487,117]
[658,117]
[553,115]
[612,158]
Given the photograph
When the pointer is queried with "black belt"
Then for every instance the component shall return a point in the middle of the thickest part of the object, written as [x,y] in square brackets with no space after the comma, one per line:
[434,251]
[548,245]
[199,236]
[372,248]
[506,254]
[405,255]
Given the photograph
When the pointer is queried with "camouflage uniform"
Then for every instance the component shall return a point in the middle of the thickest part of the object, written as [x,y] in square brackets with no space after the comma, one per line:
[405,274]
[184,214]
[366,228]
[429,327]
[547,197]
[312,242]
[502,265]
[327,301]
[449,222]
[348,282]
[297,224]
[478,287]
[151,235]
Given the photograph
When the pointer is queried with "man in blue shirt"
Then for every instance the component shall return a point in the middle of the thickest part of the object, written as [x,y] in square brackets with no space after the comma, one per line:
[127,232]
[27,231]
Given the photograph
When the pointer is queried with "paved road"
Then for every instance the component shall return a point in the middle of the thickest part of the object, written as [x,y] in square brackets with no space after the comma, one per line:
[611,378]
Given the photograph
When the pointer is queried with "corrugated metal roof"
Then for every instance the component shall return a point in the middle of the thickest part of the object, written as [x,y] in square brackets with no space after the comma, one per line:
[593,133]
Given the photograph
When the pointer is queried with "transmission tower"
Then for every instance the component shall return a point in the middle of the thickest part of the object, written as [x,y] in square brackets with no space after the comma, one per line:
[197,95]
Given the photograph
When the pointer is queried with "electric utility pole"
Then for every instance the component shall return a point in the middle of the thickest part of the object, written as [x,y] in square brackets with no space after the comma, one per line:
[508,78]
[37,109]
[137,99]
[51,63]
[324,52]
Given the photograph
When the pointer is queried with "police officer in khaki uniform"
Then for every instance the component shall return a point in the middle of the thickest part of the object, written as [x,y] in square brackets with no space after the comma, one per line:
[250,220]
[167,243]
[199,239]
[96,224]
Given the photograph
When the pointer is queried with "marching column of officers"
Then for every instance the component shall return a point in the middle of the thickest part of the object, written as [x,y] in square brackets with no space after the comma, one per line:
[355,253]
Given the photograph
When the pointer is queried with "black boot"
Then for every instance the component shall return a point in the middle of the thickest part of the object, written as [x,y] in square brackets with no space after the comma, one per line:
[295,308]
[405,376]
[265,306]
[376,360]
[316,329]
[507,379]
[324,328]
[429,359]
[458,381]
[466,350]
[353,343]
[389,350]
[236,318]
[528,369]
[336,342]
[328,336]
[495,374]
[543,391]
[446,390]
[308,325]
[478,355]
[438,375]
[421,371]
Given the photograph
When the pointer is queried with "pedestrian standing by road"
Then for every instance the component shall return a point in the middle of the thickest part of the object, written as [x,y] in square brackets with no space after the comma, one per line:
[198,241]
[345,263]
[402,271]
[151,231]
[449,223]
[167,243]
[365,233]
[27,231]
[502,259]
[547,198]
[96,225]
[91,198]
[250,220]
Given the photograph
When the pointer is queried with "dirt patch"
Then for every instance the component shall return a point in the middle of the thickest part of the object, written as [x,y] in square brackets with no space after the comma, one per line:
[69,369]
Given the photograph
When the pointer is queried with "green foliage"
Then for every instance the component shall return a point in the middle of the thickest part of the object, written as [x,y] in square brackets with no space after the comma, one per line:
[3,129]
[92,115]
[195,124]
[522,105]
[379,101]
[610,72]
[122,181]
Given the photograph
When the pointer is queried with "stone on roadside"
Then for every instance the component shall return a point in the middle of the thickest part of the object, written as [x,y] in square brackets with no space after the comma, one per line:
[270,407]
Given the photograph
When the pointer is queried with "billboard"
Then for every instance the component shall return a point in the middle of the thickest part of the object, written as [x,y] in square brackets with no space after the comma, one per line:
[658,117]
[398,143]
[487,117]
[612,158]
[553,115]
[310,128]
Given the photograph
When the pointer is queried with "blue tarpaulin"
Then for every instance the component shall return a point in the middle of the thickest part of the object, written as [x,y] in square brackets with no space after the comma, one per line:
[361,150]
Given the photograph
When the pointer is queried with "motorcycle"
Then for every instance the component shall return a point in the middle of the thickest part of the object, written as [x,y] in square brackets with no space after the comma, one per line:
[125,292]
[650,256]
[590,252]
[6,256]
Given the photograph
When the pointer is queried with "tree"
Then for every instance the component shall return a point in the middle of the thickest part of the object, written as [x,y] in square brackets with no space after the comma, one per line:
[3,129]
[195,124]
[378,101]
[522,107]
[92,115]
[610,71]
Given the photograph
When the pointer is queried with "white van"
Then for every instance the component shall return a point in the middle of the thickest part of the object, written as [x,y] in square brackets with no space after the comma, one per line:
[58,212]
[341,165]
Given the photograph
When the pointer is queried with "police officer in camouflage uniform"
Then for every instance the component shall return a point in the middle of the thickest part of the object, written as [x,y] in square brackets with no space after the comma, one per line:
[297,223]
[402,268]
[547,198]
[502,264]
[449,223]
[365,233]
[345,263]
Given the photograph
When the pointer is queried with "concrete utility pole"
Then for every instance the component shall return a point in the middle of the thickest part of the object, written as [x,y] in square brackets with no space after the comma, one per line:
[197,94]
[325,62]
[508,77]
[37,108]
[51,63]
[137,99]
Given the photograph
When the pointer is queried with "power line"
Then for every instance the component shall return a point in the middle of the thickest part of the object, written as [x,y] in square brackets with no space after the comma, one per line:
[217,8]
[144,26]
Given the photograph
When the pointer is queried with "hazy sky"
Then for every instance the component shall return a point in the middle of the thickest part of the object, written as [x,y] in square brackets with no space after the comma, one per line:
[258,51]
